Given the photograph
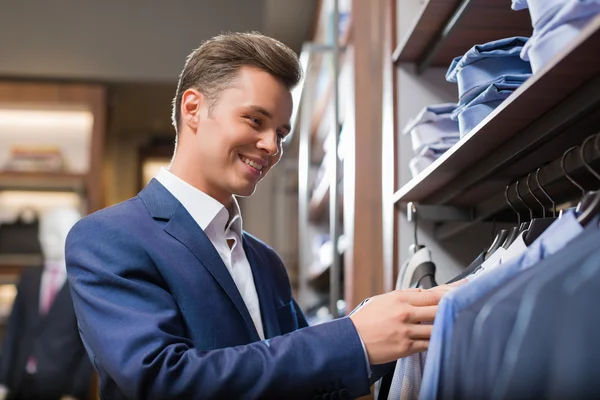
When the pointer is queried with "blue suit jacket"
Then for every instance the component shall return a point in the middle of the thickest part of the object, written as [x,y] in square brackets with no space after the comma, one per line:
[161,317]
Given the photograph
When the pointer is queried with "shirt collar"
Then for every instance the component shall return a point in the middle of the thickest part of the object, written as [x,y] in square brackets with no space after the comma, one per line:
[560,232]
[204,209]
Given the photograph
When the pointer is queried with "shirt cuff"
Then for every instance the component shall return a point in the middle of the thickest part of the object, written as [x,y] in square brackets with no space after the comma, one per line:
[366,357]
[361,341]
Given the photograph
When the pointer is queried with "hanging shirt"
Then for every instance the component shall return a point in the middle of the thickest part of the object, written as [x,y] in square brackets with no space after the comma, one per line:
[553,239]
[406,381]
[220,227]
[528,311]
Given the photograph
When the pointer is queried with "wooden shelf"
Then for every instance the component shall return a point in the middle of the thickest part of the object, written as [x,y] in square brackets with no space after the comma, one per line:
[13,264]
[554,109]
[445,29]
[42,181]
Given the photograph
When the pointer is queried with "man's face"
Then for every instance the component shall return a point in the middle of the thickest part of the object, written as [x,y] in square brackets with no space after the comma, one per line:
[240,139]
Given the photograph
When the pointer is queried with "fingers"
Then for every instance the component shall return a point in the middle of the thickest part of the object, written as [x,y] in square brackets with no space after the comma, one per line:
[418,346]
[420,332]
[421,299]
[422,314]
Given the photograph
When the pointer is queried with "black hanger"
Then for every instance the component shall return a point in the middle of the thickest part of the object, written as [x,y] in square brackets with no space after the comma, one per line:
[537,226]
[562,166]
[537,179]
[590,204]
[498,240]
[524,225]
[514,231]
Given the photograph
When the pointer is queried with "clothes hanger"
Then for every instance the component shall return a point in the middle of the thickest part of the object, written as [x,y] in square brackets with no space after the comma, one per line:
[525,225]
[537,226]
[413,216]
[500,237]
[590,204]
[537,179]
[577,185]
[514,231]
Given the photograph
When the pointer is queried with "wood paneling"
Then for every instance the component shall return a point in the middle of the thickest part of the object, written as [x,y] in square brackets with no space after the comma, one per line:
[363,207]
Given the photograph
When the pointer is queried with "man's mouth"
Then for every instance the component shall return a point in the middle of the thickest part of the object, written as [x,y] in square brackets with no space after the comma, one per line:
[251,163]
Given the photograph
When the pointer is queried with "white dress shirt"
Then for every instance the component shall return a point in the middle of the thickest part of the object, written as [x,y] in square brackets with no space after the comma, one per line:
[219,226]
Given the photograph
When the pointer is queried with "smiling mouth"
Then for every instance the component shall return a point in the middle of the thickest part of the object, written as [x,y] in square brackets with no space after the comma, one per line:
[251,163]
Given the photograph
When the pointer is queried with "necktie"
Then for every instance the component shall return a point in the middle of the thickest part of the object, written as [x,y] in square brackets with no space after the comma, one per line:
[52,287]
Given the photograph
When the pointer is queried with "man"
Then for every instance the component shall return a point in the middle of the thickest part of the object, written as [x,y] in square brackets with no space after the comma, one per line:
[175,301]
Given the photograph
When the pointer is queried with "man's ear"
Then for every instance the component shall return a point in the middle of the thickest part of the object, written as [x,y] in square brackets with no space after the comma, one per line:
[192,106]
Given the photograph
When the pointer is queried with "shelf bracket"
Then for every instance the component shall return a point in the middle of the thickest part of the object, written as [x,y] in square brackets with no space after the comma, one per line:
[440,213]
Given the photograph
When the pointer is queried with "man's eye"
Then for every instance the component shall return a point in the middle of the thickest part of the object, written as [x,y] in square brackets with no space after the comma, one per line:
[255,120]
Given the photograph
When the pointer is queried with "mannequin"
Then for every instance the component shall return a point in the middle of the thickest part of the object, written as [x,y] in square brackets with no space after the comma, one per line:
[54,354]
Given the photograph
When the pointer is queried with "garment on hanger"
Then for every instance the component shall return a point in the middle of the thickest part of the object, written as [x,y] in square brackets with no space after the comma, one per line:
[463,348]
[483,64]
[418,271]
[535,304]
[463,297]
[475,264]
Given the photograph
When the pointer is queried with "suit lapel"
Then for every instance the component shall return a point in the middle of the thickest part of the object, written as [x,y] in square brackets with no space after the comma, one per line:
[163,205]
[264,291]
[183,228]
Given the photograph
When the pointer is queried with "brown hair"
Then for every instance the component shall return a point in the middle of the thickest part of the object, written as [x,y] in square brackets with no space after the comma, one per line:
[213,65]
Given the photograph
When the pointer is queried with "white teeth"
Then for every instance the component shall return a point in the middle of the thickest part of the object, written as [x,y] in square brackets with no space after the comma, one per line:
[252,164]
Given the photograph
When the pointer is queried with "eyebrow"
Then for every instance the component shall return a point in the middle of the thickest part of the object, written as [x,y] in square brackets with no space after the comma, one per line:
[267,114]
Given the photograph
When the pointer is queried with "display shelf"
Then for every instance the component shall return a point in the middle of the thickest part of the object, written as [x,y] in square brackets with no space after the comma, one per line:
[445,29]
[43,181]
[13,264]
[554,109]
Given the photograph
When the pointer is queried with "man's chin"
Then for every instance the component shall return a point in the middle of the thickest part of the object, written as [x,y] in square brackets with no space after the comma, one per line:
[245,191]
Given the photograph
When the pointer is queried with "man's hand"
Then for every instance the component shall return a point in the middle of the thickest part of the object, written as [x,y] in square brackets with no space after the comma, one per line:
[390,324]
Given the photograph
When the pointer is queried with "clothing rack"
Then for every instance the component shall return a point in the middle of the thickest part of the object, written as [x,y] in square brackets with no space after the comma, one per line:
[553,110]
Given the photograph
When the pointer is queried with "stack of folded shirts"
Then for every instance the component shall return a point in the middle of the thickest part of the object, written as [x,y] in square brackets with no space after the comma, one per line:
[486,75]
[556,23]
[432,132]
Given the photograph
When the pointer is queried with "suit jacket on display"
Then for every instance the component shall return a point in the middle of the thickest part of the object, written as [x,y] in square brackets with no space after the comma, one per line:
[161,316]
[63,367]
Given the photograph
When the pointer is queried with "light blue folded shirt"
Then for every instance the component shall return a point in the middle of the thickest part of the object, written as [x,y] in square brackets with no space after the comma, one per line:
[552,240]
[557,28]
[480,102]
[485,63]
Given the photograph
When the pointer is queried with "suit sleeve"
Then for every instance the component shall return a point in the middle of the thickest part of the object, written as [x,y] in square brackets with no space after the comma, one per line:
[132,326]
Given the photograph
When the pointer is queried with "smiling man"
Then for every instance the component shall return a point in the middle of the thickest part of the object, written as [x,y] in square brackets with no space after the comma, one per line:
[175,301]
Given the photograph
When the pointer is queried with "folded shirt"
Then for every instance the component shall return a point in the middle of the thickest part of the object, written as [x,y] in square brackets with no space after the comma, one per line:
[432,125]
[419,163]
[472,113]
[541,11]
[518,5]
[483,64]
[504,82]
[557,31]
